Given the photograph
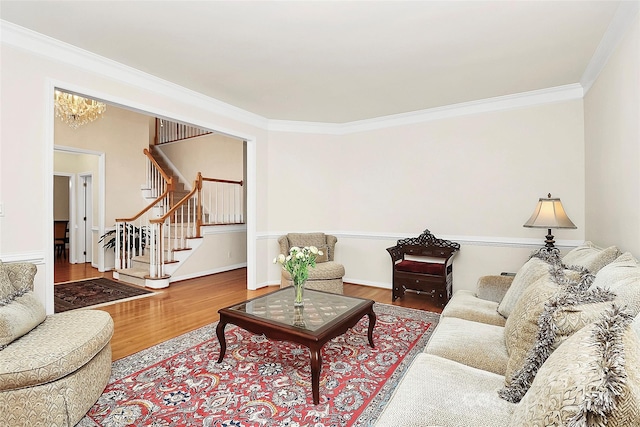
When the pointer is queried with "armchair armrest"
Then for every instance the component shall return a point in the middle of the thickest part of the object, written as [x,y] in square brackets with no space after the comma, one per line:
[493,288]
[283,241]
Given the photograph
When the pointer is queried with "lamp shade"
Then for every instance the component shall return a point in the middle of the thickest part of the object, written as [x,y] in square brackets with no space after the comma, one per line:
[549,213]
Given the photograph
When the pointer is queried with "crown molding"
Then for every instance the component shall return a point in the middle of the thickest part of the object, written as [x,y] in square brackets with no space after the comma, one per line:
[45,46]
[507,102]
[623,19]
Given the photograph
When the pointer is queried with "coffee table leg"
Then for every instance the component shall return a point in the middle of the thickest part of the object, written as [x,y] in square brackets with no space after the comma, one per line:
[223,342]
[372,324]
[316,367]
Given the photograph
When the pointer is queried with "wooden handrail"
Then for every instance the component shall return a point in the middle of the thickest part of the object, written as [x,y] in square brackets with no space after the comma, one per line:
[139,214]
[226,181]
[162,172]
[175,207]
[197,186]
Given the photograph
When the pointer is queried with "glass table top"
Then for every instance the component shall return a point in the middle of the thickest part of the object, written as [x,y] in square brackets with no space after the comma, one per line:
[319,308]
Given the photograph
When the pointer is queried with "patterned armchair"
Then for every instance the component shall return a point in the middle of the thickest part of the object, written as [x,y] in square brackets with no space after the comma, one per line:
[327,275]
[52,368]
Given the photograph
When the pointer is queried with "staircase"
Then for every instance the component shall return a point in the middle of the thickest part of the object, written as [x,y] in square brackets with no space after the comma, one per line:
[179,187]
[141,264]
[151,245]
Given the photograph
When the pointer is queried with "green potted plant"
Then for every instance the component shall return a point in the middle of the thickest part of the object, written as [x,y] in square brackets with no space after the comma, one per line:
[140,236]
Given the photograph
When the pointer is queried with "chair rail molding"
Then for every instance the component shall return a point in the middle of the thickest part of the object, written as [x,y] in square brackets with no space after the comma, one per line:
[32,257]
[463,240]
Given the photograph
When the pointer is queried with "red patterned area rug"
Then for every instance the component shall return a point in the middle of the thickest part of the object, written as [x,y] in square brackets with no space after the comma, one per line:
[262,382]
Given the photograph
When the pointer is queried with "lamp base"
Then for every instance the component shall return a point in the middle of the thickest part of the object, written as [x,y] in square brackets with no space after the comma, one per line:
[550,243]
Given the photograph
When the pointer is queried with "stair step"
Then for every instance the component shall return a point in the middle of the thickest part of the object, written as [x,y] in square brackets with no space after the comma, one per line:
[134,272]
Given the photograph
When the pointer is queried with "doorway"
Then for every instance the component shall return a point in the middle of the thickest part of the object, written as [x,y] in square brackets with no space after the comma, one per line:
[82,170]
[90,145]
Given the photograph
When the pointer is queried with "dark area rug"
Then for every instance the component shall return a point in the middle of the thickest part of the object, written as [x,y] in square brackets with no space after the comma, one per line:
[99,291]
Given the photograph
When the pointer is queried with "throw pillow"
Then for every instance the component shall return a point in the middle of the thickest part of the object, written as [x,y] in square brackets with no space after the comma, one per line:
[590,257]
[19,317]
[622,276]
[325,254]
[531,271]
[564,313]
[6,288]
[590,380]
[521,327]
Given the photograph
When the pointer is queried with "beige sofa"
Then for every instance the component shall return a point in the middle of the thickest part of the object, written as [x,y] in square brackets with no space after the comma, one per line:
[52,368]
[327,274]
[556,345]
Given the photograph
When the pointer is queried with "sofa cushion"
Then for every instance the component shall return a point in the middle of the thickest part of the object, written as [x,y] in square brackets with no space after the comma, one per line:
[593,378]
[439,392]
[591,257]
[471,343]
[466,305]
[530,272]
[61,344]
[19,316]
[622,276]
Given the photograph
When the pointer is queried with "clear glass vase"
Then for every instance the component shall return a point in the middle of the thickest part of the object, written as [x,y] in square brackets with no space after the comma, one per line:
[298,299]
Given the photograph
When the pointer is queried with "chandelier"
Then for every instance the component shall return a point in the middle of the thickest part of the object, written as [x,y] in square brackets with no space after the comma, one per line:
[76,110]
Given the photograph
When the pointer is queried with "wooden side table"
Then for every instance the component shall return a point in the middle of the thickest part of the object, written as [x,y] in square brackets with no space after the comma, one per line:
[423,264]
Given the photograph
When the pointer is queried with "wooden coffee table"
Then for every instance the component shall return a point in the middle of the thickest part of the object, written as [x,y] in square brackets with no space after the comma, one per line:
[323,317]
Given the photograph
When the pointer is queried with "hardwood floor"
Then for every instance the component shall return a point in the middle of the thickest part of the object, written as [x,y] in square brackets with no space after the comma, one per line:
[190,304]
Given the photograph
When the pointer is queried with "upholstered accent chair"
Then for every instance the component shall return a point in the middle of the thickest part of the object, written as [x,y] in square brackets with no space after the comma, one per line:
[53,367]
[327,274]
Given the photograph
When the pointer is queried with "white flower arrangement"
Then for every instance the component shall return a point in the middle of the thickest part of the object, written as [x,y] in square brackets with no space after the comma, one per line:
[298,261]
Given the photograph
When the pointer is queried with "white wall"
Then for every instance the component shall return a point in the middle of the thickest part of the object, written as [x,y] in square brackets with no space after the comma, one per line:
[61,198]
[612,140]
[214,155]
[221,248]
[121,135]
[474,178]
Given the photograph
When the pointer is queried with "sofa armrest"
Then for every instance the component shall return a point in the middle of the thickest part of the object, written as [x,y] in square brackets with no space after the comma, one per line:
[493,288]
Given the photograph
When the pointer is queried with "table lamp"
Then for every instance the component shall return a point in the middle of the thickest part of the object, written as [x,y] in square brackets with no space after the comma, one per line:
[549,214]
